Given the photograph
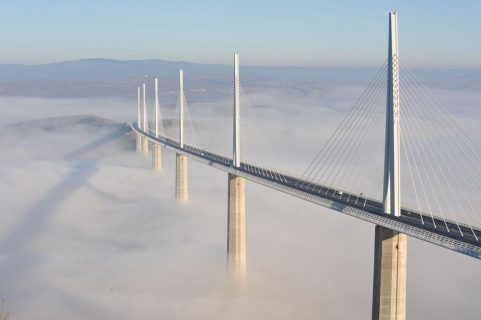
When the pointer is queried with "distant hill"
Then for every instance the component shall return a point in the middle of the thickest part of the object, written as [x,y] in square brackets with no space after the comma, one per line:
[98,69]
[107,77]
[119,78]
[108,69]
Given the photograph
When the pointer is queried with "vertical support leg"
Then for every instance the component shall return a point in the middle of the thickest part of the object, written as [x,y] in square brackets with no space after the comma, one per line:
[236,229]
[181,179]
[138,143]
[145,145]
[156,157]
[389,289]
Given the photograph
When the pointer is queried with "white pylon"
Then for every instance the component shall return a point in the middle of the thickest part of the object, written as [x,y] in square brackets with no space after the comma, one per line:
[138,137]
[181,178]
[181,108]
[156,149]
[392,183]
[157,110]
[145,123]
[139,119]
[236,126]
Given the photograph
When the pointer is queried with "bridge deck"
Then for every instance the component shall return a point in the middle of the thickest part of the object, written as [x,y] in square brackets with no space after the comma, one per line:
[445,233]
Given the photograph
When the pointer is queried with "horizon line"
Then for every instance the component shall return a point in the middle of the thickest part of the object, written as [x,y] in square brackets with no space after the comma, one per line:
[260,65]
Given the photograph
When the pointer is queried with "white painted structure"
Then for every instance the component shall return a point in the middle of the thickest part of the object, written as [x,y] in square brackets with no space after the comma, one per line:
[236,233]
[138,141]
[390,247]
[181,108]
[157,108]
[139,119]
[145,124]
[181,178]
[392,183]
[156,149]
[236,126]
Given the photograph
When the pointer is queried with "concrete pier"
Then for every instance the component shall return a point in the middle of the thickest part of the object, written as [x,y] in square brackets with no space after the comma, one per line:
[389,290]
[181,180]
[145,146]
[138,143]
[156,157]
[236,229]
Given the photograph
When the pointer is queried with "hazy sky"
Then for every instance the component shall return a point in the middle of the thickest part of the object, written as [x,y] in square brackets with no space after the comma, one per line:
[432,33]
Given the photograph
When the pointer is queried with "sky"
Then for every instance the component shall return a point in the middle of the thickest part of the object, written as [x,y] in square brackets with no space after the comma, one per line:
[307,33]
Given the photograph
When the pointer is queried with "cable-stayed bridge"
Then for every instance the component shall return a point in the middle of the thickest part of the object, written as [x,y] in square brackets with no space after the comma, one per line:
[396,123]
[446,233]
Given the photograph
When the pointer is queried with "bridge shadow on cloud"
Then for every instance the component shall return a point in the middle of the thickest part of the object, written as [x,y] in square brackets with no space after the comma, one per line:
[98,143]
[37,218]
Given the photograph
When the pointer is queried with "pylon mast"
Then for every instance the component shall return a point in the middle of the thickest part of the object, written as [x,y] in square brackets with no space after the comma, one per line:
[139,119]
[181,108]
[236,143]
[392,183]
[145,124]
[156,109]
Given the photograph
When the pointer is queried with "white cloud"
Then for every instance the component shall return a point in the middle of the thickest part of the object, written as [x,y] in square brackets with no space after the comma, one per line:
[100,236]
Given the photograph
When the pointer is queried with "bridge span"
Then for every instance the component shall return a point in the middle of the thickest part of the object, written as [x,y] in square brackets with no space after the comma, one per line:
[393,221]
[355,205]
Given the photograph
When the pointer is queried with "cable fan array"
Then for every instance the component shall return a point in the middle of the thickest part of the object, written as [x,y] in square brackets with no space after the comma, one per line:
[352,158]
[440,163]
[256,153]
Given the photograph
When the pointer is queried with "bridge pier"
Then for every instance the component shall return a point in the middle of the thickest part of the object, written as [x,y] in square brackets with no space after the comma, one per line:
[145,146]
[389,288]
[236,229]
[181,179]
[138,143]
[156,157]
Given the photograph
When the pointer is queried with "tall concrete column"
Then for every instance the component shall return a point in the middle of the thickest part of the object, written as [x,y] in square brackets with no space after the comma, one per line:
[181,179]
[389,289]
[138,141]
[145,125]
[236,228]
[156,157]
[156,149]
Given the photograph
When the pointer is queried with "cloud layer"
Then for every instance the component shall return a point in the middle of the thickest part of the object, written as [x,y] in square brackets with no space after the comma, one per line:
[99,235]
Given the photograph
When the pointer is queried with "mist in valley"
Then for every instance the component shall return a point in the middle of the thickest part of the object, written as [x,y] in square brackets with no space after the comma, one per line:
[88,230]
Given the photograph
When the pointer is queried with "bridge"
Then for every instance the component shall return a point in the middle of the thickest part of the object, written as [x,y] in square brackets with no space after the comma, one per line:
[393,221]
